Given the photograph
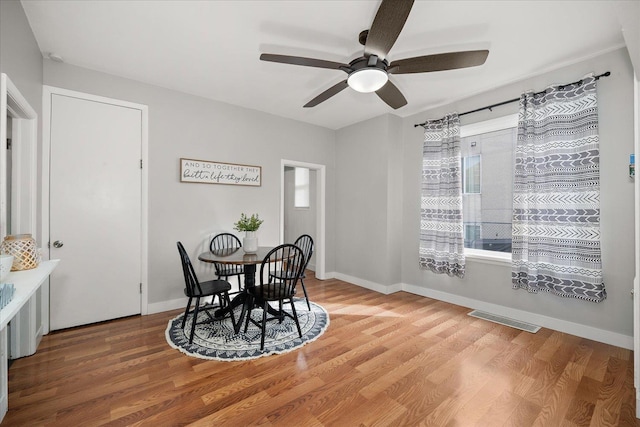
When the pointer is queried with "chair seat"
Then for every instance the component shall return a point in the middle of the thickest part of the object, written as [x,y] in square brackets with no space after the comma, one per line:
[210,287]
[282,275]
[273,291]
[194,289]
[276,288]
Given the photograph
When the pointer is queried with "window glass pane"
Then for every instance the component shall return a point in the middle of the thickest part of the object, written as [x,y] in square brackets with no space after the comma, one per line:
[471,235]
[471,174]
[301,188]
[487,184]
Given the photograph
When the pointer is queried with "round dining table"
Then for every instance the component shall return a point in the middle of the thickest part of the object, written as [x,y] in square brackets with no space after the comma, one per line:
[250,261]
[237,256]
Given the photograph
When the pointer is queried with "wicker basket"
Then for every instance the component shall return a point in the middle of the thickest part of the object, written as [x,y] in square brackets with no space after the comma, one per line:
[24,250]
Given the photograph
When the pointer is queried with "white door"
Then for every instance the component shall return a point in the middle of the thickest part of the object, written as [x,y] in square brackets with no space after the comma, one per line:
[95,211]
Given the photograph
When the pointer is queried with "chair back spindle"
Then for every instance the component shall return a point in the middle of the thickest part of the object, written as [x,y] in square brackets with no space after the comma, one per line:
[226,243]
[279,273]
[190,278]
[305,243]
[281,268]
[195,290]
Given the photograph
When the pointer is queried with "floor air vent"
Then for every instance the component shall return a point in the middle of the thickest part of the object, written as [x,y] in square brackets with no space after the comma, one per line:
[505,321]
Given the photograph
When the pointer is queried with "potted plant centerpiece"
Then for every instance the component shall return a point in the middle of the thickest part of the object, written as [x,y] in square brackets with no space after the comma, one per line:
[249,225]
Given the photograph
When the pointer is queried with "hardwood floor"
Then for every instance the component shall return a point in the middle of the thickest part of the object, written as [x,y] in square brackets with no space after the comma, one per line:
[398,359]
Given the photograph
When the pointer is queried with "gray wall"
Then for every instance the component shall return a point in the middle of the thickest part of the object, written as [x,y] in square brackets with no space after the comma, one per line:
[377,231]
[21,60]
[187,126]
[491,283]
[20,57]
[368,200]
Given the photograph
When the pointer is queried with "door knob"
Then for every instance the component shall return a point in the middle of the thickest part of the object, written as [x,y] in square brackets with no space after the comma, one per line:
[58,244]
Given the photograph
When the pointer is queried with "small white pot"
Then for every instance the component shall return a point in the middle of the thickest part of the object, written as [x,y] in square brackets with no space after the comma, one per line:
[250,242]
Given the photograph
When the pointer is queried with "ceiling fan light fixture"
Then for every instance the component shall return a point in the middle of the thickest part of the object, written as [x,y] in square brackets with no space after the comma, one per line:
[368,79]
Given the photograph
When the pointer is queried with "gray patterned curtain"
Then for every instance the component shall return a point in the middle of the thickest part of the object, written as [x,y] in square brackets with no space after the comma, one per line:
[556,198]
[441,232]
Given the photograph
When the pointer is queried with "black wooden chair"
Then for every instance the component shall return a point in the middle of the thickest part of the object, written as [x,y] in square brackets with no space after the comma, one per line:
[227,241]
[279,273]
[194,289]
[305,242]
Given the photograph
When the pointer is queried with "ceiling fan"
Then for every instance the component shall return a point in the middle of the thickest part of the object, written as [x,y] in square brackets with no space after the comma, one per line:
[370,73]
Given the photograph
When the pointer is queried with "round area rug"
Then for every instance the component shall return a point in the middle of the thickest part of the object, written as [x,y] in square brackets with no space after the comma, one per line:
[215,339]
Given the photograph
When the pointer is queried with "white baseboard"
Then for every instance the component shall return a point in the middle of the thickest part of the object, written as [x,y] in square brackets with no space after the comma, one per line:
[329,275]
[383,289]
[159,307]
[589,332]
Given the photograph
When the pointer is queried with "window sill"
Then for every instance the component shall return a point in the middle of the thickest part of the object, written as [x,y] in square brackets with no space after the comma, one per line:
[488,257]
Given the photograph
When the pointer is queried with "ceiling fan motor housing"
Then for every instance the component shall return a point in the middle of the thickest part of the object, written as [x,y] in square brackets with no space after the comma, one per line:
[365,62]
[367,74]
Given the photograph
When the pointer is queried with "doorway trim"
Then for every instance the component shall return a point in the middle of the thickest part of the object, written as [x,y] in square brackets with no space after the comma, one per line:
[47,93]
[320,243]
[24,133]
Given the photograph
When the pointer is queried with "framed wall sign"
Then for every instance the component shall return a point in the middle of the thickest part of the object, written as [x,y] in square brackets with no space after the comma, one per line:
[203,171]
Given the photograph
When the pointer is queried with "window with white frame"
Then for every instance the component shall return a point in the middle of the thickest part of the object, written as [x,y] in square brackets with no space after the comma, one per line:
[488,155]
[301,183]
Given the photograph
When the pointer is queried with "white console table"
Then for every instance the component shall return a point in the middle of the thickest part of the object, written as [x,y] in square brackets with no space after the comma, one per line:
[26,284]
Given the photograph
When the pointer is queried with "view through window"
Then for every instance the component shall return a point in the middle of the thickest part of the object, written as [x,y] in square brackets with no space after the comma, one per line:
[488,156]
[301,199]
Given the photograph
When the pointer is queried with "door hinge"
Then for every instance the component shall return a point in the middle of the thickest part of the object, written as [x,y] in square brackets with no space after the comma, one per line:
[8,143]
[140,163]
[140,287]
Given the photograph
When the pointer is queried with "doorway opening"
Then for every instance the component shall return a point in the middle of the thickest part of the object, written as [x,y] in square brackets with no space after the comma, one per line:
[317,204]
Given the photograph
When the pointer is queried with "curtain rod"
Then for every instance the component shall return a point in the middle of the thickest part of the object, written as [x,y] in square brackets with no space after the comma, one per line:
[489,107]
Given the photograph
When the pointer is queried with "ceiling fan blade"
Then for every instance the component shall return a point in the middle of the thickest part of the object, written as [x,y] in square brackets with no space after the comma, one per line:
[390,94]
[386,27]
[337,88]
[299,60]
[439,62]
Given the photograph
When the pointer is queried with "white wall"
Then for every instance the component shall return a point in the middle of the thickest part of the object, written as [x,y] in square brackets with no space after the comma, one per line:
[182,125]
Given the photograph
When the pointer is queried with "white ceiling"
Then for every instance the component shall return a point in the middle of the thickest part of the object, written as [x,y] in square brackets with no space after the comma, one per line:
[211,48]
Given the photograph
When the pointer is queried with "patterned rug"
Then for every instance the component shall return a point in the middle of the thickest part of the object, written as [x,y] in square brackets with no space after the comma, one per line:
[216,340]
